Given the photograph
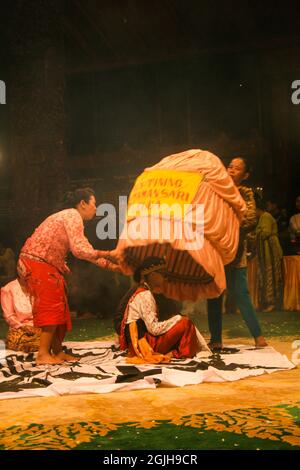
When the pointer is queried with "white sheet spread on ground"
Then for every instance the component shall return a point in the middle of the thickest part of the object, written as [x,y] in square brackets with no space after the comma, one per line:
[102,368]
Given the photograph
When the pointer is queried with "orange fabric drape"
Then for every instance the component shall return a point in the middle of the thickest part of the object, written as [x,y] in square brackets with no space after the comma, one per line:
[140,351]
[180,341]
[195,270]
[291,274]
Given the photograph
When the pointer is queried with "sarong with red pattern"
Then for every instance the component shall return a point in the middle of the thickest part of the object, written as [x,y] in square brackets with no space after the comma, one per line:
[181,340]
[47,287]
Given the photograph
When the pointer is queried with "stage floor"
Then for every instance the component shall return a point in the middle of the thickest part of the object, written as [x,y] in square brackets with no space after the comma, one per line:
[259,412]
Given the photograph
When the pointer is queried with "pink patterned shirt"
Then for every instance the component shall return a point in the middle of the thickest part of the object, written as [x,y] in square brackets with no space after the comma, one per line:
[56,236]
[16,305]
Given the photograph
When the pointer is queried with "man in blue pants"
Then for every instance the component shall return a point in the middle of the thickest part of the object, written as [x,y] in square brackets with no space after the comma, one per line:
[236,272]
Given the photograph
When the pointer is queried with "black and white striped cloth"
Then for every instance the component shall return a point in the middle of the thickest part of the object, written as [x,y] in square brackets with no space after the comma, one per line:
[102,368]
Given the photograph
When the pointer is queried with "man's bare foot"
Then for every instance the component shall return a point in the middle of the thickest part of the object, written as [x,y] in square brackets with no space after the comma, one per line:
[260,342]
[43,359]
[66,357]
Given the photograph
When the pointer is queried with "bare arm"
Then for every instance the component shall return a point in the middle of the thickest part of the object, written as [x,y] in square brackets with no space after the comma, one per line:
[107,264]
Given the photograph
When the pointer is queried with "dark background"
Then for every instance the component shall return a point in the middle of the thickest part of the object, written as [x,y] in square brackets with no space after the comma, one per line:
[98,90]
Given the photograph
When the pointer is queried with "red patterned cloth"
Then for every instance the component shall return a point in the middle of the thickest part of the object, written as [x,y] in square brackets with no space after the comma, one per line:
[181,340]
[47,286]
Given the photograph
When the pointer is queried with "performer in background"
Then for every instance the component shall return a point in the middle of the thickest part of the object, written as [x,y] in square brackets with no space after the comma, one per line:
[294,228]
[138,325]
[16,304]
[236,272]
[269,256]
[42,266]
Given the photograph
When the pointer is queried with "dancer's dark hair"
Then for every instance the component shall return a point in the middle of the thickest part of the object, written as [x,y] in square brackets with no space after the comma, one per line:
[73,198]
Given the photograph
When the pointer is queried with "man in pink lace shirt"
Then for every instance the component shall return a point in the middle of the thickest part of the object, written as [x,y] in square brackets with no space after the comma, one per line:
[42,266]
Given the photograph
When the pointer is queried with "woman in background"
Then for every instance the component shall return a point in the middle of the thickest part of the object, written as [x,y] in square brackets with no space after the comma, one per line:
[269,256]
[16,304]
[294,228]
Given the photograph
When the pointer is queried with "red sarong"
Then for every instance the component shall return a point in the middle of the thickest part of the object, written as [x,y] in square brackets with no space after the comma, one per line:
[181,340]
[47,286]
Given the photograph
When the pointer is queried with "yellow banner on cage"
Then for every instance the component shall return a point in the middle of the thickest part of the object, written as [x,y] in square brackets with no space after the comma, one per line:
[163,193]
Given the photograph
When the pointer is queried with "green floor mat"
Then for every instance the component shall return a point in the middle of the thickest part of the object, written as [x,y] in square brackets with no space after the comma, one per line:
[270,428]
